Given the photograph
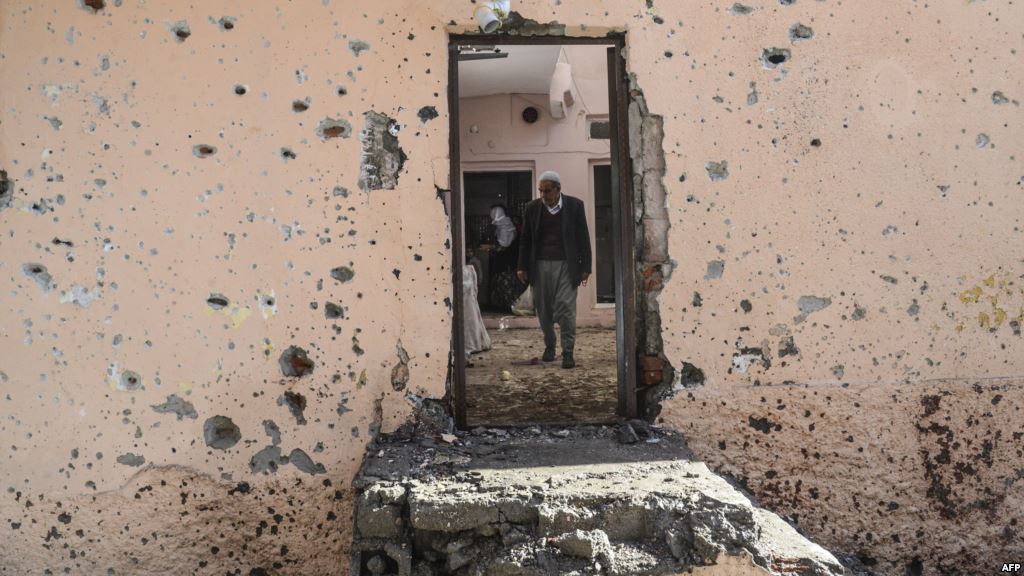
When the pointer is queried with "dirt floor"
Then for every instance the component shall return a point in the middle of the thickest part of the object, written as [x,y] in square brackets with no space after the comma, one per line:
[545,392]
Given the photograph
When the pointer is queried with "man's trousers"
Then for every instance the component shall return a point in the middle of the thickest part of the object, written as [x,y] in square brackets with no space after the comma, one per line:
[554,299]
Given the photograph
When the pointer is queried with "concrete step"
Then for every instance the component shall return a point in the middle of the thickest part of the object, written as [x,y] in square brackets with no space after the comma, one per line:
[563,501]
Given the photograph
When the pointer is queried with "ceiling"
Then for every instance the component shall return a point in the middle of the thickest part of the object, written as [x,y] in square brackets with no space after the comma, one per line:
[527,70]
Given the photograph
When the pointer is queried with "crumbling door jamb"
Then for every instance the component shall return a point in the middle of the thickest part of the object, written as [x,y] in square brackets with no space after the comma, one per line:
[622,190]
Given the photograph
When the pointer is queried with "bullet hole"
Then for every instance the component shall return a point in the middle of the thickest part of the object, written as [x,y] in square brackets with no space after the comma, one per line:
[267,304]
[217,301]
[92,6]
[715,270]
[271,429]
[981,141]
[240,488]
[787,347]
[427,113]
[358,46]
[400,376]
[303,462]
[267,460]
[762,424]
[342,274]
[999,98]
[287,154]
[41,207]
[397,273]
[38,273]
[341,91]
[752,97]
[58,242]
[240,89]
[130,459]
[816,143]
[55,122]
[296,404]
[811,304]
[301,105]
[743,359]
[64,518]
[914,308]
[838,370]
[6,190]
[690,376]
[772,57]
[178,406]
[220,432]
[382,157]
[746,306]
[204,150]
[697,300]
[332,311]
[740,9]
[340,191]
[130,380]
[787,2]
[798,33]
[331,128]
[295,363]
[858,312]
[181,30]
[226,23]
[717,170]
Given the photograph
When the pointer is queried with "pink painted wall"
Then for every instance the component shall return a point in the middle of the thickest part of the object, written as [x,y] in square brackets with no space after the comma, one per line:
[892,432]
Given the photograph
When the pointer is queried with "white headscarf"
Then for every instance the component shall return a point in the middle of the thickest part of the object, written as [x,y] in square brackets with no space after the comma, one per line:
[506,229]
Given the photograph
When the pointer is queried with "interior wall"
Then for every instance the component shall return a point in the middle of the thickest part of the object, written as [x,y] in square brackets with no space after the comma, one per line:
[846,229]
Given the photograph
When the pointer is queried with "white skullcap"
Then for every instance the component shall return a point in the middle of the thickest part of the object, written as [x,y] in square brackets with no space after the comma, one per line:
[551,176]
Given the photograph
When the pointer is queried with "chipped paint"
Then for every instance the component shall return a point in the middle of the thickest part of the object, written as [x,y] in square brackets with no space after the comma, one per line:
[171,179]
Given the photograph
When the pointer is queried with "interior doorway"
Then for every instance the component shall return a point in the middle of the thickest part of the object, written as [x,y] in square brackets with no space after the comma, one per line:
[535,117]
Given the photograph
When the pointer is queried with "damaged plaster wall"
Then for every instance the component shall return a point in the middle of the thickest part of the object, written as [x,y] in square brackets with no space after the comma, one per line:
[182,206]
[203,309]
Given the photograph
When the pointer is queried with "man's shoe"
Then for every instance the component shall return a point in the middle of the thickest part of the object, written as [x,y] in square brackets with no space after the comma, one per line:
[549,355]
[567,361]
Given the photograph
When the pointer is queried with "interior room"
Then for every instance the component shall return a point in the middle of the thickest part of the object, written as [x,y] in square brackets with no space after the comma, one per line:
[527,110]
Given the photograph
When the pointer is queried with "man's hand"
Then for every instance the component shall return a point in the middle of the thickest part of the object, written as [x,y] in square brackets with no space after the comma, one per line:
[586,276]
[521,274]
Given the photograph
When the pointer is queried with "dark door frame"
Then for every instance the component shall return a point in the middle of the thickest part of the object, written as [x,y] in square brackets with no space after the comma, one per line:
[622,213]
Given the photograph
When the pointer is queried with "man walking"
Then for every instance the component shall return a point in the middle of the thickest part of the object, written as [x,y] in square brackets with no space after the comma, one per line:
[554,257]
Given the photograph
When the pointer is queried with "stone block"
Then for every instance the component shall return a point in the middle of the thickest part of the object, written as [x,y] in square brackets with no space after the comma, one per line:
[376,521]
[371,557]
[653,135]
[655,240]
[440,513]
[654,196]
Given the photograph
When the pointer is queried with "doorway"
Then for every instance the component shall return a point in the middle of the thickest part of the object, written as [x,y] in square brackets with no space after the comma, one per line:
[521,107]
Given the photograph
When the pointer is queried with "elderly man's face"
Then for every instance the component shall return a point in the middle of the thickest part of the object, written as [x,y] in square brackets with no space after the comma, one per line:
[550,191]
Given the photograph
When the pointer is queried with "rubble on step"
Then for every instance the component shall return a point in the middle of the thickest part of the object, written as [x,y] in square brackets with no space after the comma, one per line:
[546,501]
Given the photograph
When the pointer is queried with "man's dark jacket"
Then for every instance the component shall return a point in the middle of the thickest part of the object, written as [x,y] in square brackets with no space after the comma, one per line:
[575,238]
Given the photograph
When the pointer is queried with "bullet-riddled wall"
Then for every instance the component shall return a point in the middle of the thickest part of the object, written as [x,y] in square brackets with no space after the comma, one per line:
[225,265]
